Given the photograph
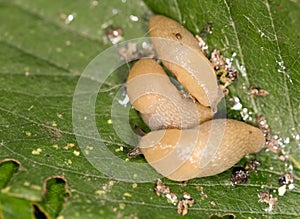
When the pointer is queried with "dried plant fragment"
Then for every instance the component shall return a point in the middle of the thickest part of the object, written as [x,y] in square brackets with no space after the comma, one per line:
[267,198]
[162,189]
[115,35]
[228,74]
[217,60]
[202,193]
[272,142]
[258,92]
[252,165]
[184,204]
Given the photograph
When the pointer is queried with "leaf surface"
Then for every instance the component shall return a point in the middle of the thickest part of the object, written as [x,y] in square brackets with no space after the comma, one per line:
[43,56]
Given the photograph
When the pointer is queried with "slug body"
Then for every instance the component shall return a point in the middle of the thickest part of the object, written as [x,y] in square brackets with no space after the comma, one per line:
[159,102]
[180,53]
[185,154]
[185,141]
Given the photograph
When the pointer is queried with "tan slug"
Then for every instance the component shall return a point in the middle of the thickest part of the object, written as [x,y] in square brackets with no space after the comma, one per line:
[180,53]
[159,102]
[185,154]
[190,143]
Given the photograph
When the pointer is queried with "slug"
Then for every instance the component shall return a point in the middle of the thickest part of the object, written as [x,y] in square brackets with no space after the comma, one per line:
[180,53]
[159,102]
[185,141]
[181,155]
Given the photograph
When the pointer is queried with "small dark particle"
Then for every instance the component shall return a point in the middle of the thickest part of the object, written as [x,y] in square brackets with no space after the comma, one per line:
[232,74]
[239,175]
[207,29]
[287,178]
[134,153]
[282,180]
[252,165]
[178,36]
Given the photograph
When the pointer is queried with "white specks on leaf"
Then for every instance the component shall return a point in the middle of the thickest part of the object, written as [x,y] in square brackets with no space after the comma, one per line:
[76,153]
[68,18]
[237,104]
[115,11]
[37,151]
[28,133]
[69,145]
[134,18]
[282,190]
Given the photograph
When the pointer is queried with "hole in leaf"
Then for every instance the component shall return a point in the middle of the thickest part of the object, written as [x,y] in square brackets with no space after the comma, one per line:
[225,216]
[8,168]
[55,193]
[38,213]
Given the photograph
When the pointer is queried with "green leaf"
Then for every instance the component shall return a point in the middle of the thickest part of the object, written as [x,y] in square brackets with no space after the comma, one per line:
[43,55]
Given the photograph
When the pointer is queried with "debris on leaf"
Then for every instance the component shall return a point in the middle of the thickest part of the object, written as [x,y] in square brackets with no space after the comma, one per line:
[224,68]
[252,165]
[207,29]
[239,176]
[203,46]
[172,198]
[162,189]
[184,204]
[268,198]
[115,35]
[287,178]
[258,92]
[202,193]
[282,190]
[217,60]
[68,18]
[213,204]
[272,142]
[134,185]
[37,151]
